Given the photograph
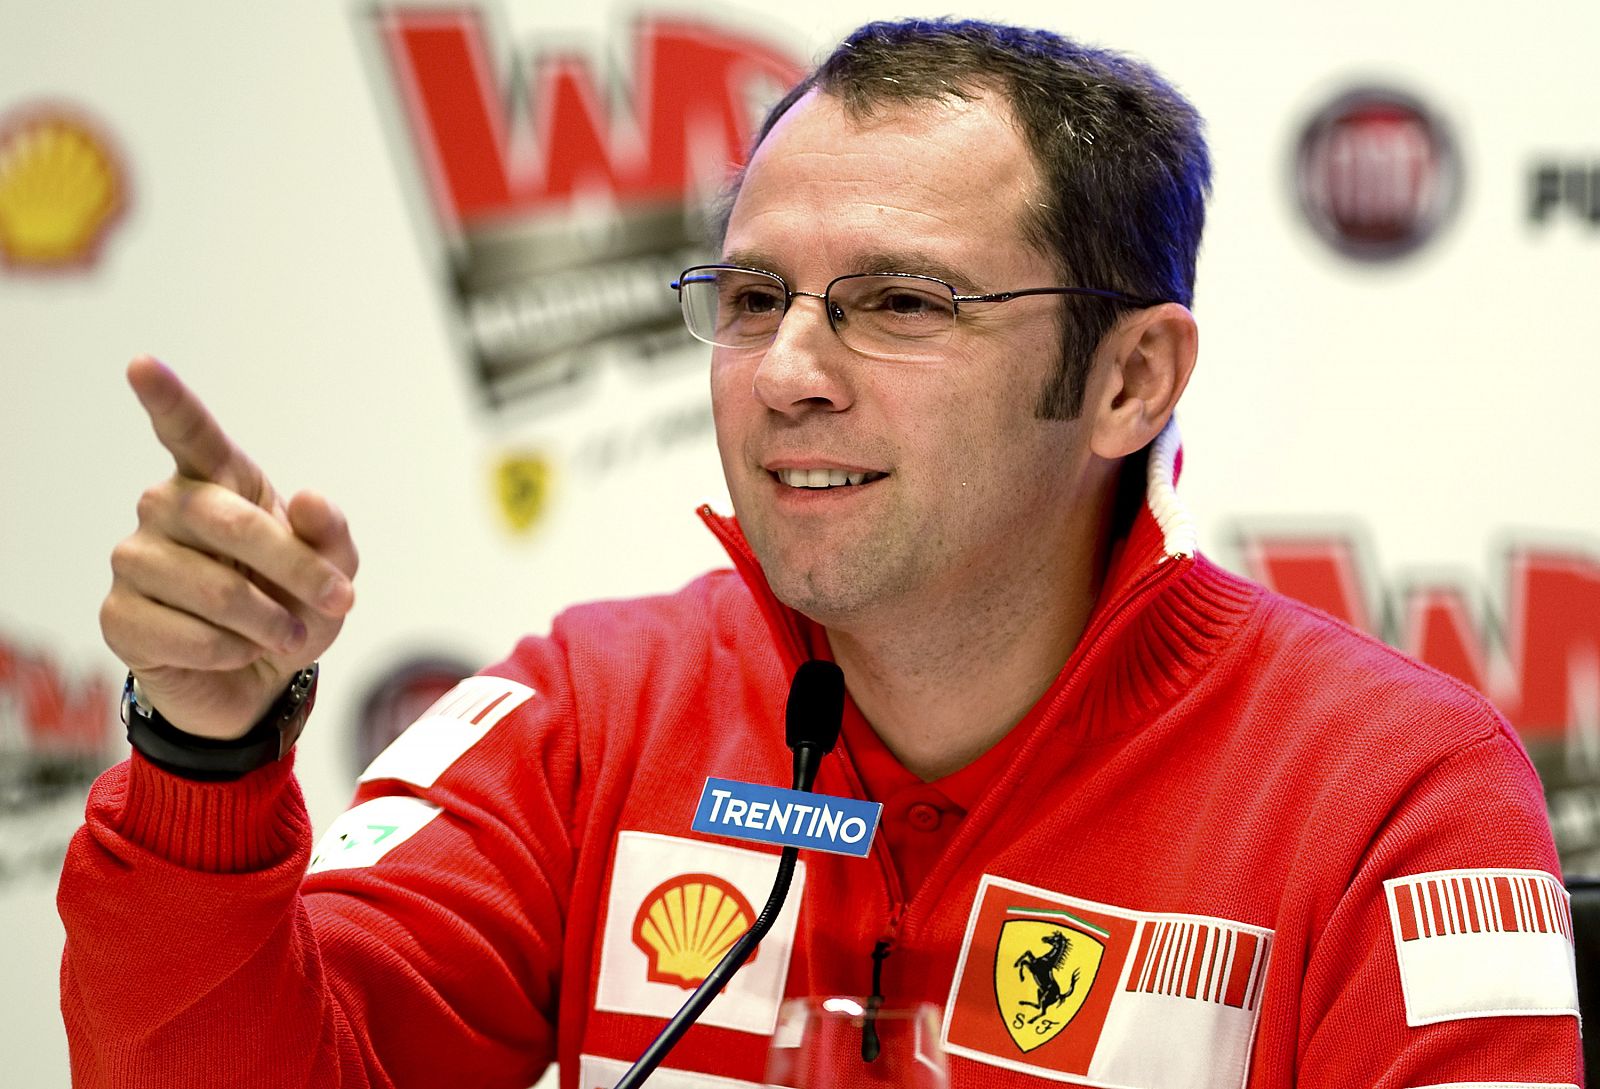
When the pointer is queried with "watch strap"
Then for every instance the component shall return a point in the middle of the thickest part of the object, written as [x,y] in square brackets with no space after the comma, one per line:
[206,759]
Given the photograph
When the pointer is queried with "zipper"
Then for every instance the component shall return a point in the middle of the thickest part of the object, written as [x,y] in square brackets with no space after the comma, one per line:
[871,1046]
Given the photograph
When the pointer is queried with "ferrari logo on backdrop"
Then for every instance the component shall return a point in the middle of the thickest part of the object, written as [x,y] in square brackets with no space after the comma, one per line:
[522,485]
[61,189]
[1045,963]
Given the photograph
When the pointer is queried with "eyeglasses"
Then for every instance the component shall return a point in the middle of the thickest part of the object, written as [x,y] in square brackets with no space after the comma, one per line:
[894,316]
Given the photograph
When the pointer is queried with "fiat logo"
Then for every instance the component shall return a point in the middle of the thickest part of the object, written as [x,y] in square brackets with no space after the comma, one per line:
[1377,174]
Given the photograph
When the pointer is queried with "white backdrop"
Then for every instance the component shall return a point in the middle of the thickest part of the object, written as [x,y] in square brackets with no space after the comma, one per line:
[278,249]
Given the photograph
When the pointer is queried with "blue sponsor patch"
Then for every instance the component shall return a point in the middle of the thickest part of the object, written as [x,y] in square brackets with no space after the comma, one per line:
[793,818]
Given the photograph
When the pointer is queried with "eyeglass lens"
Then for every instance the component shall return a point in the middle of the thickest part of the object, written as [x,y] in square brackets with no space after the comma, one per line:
[889,316]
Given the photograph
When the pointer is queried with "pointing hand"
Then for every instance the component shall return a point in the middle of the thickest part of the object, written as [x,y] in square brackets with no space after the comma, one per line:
[225,589]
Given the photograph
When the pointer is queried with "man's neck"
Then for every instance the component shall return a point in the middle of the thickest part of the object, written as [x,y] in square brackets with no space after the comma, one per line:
[942,684]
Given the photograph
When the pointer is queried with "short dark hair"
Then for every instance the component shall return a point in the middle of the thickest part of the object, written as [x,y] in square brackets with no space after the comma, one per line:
[1120,153]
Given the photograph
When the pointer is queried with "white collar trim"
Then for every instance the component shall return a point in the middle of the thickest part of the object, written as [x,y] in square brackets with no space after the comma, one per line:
[1179,538]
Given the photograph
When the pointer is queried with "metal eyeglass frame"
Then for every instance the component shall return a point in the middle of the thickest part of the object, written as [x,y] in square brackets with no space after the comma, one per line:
[828,305]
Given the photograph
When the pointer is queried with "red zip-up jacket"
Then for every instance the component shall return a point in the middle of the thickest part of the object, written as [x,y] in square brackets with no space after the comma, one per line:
[1236,843]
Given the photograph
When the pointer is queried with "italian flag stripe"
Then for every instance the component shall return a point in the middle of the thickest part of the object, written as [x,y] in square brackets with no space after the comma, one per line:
[1046,913]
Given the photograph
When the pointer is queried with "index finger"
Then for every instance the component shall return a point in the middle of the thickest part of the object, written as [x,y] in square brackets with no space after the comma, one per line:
[197,443]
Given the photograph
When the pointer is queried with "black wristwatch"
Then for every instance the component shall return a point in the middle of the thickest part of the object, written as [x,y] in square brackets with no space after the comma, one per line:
[207,759]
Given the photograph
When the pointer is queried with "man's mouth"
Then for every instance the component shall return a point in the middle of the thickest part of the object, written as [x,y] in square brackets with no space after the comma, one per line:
[824,478]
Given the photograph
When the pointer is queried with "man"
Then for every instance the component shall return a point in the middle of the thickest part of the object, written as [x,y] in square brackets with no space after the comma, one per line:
[1145,823]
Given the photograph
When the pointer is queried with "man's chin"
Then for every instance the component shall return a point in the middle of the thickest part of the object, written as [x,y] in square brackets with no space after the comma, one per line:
[835,594]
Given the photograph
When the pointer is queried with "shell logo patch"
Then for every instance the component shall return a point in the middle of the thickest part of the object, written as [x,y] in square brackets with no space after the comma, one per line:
[1093,994]
[674,907]
[687,923]
[61,189]
[1044,967]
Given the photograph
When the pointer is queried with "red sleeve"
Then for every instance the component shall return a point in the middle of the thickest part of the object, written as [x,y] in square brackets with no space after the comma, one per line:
[1449,961]
[425,950]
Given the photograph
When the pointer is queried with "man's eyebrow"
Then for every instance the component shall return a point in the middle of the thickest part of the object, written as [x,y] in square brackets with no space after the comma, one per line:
[915,262]
[750,259]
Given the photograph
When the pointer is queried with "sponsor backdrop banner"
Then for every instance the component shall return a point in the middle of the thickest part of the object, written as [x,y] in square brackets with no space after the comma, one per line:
[416,257]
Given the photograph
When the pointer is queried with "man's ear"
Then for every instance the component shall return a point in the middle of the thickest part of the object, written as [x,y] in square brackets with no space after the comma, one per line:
[1145,362]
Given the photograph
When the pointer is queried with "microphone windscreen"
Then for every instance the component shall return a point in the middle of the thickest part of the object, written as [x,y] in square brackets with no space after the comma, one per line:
[816,706]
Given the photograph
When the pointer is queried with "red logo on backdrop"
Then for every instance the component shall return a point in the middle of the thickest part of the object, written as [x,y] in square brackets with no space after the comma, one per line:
[567,202]
[1377,174]
[57,732]
[1536,656]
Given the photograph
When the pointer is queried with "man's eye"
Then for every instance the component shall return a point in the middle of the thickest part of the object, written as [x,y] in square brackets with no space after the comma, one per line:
[901,303]
[758,302]
[906,302]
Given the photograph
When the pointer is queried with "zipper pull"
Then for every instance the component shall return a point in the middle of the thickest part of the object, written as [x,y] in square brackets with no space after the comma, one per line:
[870,1045]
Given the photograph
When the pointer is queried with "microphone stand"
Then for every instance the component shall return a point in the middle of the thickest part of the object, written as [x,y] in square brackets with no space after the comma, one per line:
[808,753]
[712,985]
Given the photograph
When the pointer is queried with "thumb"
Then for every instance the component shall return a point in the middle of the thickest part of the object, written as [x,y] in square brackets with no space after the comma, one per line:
[320,524]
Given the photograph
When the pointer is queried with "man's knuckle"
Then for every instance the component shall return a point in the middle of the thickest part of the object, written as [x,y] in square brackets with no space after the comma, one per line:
[110,616]
[213,648]
[220,596]
[152,503]
[126,556]
[232,524]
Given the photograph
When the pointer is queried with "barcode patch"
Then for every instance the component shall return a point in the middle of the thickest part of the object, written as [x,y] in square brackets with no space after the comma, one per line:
[1483,943]
[1200,961]
[1475,903]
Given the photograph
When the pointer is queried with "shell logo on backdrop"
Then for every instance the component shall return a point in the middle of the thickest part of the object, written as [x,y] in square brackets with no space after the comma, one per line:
[567,197]
[1536,654]
[62,188]
[1377,174]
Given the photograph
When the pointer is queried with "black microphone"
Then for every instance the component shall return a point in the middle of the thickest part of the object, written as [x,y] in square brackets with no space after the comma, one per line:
[811,729]
[812,718]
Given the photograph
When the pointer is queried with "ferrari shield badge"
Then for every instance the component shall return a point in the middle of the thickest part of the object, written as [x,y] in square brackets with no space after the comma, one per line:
[1045,962]
[1090,993]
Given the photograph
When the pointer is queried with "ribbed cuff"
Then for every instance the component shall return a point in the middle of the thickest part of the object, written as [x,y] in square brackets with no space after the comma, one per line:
[249,824]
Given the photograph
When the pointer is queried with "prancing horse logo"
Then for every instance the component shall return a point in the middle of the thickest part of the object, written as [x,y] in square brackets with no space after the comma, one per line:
[1043,971]
[1045,964]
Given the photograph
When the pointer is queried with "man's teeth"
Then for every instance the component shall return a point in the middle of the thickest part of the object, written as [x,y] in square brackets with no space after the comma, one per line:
[823,478]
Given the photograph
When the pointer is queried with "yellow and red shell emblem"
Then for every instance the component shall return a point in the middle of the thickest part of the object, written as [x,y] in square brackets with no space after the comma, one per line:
[686,924]
[61,188]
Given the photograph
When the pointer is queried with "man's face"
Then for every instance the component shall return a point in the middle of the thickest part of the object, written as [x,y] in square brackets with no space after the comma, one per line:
[967,492]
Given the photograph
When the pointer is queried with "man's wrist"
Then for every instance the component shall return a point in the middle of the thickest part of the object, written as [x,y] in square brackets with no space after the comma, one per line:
[207,759]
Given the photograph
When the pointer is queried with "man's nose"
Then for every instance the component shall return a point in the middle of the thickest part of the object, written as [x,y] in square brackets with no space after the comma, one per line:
[806,367]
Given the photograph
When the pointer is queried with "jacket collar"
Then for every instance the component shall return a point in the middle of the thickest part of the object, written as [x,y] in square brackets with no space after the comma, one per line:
[1162,613]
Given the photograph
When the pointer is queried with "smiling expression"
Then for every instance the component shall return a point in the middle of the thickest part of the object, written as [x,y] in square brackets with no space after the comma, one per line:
[867,485]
